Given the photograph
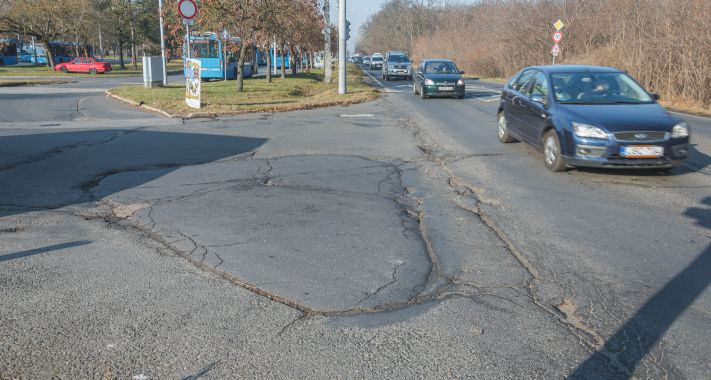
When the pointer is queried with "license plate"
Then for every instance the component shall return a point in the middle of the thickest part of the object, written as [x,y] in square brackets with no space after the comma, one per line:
[446,88]
[642,151]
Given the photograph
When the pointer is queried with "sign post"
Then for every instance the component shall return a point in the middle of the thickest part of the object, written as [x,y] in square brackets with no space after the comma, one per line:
[187,10]
[557,39]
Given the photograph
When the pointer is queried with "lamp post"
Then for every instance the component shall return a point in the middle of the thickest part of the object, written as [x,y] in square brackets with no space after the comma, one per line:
[341,47]
[162,43]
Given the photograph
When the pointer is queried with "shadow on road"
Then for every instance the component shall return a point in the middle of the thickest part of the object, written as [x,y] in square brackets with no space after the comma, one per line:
[53,170]
[631,343]
[37,251]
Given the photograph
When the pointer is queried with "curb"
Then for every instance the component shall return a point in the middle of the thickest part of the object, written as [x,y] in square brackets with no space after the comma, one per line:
[141,105]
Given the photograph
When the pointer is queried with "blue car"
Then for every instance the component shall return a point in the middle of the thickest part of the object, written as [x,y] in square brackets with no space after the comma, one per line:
[590,116]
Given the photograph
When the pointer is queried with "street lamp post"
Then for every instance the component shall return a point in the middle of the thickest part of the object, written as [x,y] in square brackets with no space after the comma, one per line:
[341,47]
[162,43]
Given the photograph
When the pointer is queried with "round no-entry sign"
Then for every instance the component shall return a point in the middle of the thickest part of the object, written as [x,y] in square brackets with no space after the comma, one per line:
[187,9]
[557,37]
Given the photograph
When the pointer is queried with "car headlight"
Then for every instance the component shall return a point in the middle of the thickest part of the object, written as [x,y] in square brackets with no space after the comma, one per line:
[585,130]
[429,82]
[460,82]
[680,130]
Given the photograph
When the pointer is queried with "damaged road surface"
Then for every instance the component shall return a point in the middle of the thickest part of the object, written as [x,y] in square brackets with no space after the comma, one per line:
[310,245]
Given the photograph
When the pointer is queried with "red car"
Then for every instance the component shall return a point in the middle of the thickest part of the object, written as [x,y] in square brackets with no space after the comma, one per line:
[83,65]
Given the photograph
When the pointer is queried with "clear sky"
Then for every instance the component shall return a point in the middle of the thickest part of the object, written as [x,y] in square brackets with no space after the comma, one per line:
[360,10]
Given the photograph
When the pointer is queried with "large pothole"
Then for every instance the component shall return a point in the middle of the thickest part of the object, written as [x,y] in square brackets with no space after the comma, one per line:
[327,232]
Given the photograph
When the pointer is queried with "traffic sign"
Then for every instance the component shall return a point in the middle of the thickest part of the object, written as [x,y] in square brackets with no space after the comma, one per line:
[557,37]
[187,9]
[556,49]
[559,25]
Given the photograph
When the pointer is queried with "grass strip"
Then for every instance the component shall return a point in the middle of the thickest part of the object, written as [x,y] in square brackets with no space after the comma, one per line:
[27,82]
[297,92]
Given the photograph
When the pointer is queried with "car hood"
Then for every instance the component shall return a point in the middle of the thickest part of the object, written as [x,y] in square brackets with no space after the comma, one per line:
[443,77]
[622,117]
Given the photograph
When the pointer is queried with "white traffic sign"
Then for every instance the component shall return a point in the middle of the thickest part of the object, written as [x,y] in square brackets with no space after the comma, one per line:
[556,49]
[557,37]
[559,25]
[187,9]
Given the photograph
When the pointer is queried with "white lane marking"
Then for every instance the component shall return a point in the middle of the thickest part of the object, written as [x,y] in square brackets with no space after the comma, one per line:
[358,115]
[374,78]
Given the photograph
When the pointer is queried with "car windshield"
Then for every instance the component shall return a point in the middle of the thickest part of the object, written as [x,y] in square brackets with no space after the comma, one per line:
[598,88]
[441,68]
[398,58]
[377,59]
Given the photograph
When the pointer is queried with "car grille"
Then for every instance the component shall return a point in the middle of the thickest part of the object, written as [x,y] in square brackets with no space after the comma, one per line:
[401,67]
[640,136]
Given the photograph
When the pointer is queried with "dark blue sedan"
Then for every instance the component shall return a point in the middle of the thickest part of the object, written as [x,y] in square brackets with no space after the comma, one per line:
[590,116]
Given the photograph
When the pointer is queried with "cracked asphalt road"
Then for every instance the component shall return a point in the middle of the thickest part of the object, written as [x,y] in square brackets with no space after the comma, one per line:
[406,244]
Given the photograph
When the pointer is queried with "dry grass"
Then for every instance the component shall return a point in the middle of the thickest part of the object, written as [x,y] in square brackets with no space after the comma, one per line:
[303,91]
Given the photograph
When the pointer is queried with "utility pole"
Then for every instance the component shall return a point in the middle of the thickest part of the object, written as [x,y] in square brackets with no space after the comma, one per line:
[328,75]
[162,43]
[342,35]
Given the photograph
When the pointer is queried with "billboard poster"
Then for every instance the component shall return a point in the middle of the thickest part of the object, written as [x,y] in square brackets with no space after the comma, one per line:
[192,83]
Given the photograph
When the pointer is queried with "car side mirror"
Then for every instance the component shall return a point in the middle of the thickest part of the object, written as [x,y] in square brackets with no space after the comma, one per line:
[461,72]
[655,97]
[538,98]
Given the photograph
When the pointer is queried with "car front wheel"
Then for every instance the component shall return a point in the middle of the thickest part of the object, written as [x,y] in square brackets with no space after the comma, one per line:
[414,89]
[423,95]
[92,71]
[551,152]
[64,70]
[503,129]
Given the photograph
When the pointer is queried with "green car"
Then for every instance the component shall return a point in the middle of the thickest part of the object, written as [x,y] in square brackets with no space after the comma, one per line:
[438,77]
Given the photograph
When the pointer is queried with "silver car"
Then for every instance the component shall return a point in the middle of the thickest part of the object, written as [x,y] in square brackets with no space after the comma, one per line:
[397,65]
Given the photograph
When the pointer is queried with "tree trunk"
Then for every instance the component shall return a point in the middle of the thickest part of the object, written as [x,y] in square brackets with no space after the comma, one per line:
[122,64]
[269,65]
[240,67]
[50,53]
[327,48]
[293,59]
[283,64]
[133,49]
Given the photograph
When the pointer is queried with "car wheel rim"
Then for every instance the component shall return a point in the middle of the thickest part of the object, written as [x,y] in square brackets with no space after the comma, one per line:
[551,151]
[502,126]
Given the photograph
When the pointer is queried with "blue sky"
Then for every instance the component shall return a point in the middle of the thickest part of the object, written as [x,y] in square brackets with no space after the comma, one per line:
[359,10]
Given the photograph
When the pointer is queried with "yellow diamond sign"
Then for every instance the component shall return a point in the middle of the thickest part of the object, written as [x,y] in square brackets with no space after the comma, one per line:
[559,25]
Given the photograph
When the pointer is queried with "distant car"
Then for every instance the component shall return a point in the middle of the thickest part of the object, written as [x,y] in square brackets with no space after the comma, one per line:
[590,116]
[397,65]
[366,60]
[438,77]
[376,62]
[83,65]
